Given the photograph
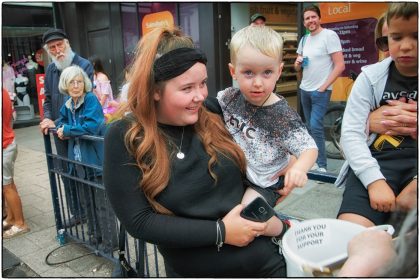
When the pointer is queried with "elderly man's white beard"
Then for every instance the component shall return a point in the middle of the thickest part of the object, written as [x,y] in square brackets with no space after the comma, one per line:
[68,58]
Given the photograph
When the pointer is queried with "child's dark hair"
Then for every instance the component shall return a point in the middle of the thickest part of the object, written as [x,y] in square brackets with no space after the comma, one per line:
[312,8]
[401,9]
[97,64]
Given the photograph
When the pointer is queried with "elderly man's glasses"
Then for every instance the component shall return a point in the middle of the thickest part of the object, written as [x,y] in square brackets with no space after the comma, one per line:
[58,45]
[75,83]
[382,43]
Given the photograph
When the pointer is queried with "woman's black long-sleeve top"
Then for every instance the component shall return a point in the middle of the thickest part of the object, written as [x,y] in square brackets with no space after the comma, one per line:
[186,240]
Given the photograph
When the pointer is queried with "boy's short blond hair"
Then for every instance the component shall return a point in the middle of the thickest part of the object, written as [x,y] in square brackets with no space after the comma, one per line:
[262,38]
[403,9]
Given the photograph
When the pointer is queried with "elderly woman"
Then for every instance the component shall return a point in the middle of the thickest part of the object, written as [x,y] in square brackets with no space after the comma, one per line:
[81,115]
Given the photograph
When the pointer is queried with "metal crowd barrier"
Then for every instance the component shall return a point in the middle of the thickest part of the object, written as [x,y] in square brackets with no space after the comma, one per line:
[83,214]
[322,176]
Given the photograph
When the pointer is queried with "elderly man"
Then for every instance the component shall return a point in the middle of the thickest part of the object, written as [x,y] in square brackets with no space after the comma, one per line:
[62,56]
[58,48]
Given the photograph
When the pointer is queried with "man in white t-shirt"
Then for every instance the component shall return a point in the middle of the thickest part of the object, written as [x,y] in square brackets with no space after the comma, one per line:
[321,57]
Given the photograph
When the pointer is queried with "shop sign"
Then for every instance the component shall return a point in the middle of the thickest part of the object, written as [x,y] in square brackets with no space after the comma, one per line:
[39,57]
[276,13]
[341,11]
[154,20]
[357,41]
[355,24]
[41,95]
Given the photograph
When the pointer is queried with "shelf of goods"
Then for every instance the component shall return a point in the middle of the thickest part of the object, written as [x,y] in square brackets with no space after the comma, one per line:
[287,84]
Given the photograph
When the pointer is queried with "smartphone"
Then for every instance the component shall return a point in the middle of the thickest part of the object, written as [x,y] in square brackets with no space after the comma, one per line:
[258,211]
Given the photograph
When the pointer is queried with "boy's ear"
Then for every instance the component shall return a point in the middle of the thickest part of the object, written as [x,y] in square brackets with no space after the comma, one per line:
[280,70]
[232,71]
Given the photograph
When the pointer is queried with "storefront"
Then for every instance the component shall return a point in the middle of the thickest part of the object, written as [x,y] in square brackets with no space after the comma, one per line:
[23,56]
[111,30]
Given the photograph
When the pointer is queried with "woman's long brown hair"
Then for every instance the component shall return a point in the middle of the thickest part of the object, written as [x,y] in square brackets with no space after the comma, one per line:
[144,139]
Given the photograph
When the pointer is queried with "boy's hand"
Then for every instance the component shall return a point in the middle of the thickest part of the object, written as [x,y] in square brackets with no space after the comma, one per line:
[294,177]
[407,199]
[381,196]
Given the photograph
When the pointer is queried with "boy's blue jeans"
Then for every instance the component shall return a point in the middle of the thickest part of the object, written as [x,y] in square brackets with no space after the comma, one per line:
[315,105]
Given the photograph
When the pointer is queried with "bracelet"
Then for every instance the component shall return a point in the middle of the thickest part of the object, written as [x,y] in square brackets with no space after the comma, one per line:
[286,226]
[220,234]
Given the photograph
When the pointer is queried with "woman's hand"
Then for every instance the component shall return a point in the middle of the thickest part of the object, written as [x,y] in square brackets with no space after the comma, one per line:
[397,118]
[60,133]
[239,231]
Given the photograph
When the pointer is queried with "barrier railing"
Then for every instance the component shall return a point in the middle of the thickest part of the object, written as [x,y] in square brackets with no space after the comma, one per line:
[326,177]
[83,214]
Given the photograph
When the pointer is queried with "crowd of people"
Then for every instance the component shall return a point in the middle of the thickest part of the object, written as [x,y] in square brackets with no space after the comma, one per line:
[179,165]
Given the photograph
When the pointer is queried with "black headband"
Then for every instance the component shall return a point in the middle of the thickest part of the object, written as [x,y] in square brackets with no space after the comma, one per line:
[176,62]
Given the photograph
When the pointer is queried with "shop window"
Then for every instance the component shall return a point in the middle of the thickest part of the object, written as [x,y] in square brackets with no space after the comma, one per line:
[22,52]
[188,20]
[131,30]
[185,15]
[24,16]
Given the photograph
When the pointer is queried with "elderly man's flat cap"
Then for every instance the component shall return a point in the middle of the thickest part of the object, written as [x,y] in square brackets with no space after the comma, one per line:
[53,34]
[256,16]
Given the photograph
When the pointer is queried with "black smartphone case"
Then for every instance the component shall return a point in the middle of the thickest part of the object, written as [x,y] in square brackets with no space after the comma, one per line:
[258,211]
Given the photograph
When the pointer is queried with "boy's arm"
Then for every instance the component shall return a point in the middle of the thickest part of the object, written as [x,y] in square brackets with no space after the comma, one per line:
[353,132]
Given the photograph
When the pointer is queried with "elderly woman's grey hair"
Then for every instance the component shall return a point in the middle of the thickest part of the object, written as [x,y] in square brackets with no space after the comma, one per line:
[69,74]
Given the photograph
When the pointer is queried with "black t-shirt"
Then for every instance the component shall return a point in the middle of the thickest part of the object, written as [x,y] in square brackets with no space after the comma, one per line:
[397,86]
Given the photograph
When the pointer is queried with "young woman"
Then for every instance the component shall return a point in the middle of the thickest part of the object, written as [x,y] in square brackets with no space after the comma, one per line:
[174,175]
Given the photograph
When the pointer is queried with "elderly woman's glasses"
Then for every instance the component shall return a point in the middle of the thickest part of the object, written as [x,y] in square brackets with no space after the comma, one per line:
[75,83]
[382,43]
